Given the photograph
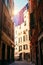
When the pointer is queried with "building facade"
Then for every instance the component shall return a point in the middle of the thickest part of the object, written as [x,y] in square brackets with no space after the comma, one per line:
[6,35]
[36,31]
[10,5]
[11,8]
[22,42]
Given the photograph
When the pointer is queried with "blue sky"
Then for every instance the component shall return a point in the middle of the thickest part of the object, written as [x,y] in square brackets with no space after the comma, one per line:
[19,4]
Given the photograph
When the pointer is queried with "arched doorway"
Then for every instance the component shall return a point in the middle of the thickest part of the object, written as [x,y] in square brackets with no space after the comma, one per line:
[20,56]
[26,56]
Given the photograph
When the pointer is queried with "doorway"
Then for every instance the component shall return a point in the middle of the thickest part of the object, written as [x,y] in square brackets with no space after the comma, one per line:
[3,51]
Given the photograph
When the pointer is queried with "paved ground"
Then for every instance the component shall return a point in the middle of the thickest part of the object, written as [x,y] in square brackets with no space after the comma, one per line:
[21,63]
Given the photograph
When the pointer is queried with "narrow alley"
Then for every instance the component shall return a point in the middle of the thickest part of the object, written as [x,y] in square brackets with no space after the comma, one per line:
[21,32]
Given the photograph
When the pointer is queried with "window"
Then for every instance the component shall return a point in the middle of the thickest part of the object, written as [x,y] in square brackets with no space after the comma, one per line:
[25,23]
[24,32]
[20,48]
[26,37]
[23,38]
[25,47]
[19,40]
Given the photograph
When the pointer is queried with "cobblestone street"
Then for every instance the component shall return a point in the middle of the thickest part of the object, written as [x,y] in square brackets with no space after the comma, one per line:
[21,63]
